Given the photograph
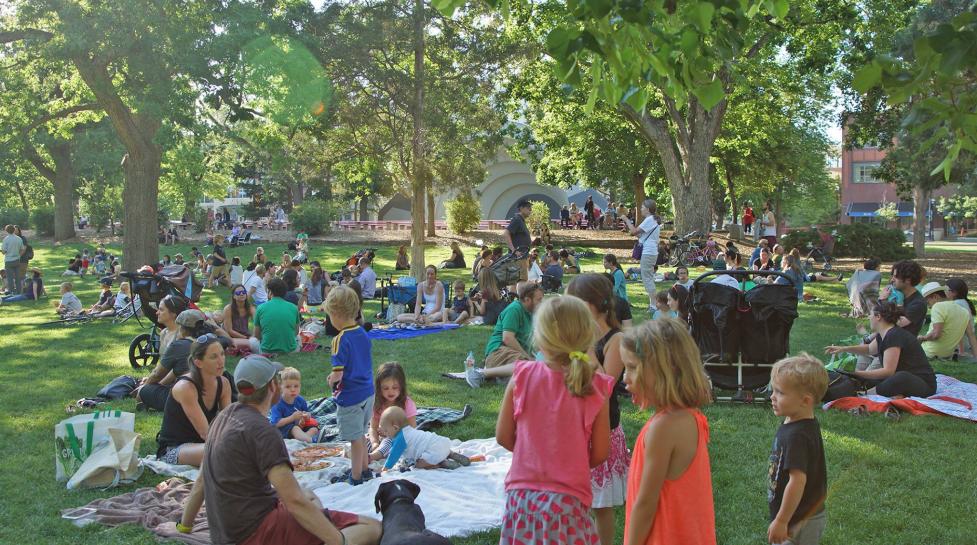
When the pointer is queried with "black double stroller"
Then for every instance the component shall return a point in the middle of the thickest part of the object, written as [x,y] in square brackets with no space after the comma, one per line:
[151,287]
[741,334]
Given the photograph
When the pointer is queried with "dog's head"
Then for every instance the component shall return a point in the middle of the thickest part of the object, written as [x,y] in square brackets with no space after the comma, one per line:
[391,491]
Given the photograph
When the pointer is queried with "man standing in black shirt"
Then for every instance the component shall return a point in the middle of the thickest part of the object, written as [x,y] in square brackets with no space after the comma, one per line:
[798,477]
[218,264]
[518,238]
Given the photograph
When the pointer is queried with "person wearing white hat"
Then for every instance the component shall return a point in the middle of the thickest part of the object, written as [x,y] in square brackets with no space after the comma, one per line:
[948,322]
[246,476]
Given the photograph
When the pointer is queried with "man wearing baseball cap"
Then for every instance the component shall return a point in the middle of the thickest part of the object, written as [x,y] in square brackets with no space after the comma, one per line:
[948,323]
[246,477]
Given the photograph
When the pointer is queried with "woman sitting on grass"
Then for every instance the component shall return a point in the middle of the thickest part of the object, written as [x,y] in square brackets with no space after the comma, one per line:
[238,315]
[193,404]
[403,263]
[457,259]
[429,306]
[488,301]
[32,291]
[905,370]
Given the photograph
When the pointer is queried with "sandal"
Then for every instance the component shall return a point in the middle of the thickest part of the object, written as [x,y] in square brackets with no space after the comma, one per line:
[892,413]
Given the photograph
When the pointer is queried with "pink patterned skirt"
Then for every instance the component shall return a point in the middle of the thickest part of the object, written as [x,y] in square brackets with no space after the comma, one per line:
[609,481]
[534,517]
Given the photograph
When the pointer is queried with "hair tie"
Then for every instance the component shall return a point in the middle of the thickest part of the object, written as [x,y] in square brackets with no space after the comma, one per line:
[578,355]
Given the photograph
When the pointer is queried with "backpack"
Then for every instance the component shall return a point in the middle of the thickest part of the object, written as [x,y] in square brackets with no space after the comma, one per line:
[28,253]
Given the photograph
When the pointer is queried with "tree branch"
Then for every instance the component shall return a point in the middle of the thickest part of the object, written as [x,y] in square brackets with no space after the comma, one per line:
[86,107]
[25,35]
[655,132]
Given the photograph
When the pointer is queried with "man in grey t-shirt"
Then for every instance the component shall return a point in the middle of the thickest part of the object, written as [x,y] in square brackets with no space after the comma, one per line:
[246,477]
[13,248]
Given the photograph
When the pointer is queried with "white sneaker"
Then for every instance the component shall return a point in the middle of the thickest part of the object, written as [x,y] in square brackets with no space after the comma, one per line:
[474,377]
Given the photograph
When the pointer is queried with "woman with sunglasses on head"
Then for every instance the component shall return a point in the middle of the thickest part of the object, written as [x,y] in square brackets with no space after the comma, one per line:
[194,402]
[238,315]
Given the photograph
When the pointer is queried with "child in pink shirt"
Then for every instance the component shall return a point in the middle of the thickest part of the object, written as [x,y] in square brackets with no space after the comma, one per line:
[555,420]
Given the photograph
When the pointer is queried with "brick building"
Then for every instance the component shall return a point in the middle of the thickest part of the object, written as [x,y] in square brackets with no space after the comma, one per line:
[862,193]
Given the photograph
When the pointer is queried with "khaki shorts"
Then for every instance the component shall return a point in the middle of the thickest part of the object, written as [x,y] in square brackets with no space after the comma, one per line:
[354,420]
[504,355]
[524,269]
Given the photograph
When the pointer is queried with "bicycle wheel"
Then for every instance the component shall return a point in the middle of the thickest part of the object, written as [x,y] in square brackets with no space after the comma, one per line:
[143,352]
[685,258]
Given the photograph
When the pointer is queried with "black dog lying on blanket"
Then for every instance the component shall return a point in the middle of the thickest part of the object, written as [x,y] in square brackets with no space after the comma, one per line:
[403,520]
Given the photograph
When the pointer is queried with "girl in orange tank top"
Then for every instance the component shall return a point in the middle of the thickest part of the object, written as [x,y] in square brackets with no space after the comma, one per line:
[669,498]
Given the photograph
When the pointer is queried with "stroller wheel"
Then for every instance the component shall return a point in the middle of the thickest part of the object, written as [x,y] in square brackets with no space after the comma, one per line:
[827,266]
[142,352]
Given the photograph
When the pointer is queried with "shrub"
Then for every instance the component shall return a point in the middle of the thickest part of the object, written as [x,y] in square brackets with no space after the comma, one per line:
[201,221]
[539,216]
[462,214]
[250,211]
[868,240]
[42,219]
[313,216]
[13,216]
[800,239]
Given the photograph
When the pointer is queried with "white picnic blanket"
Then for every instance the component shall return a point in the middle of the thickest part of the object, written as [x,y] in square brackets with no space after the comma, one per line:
[952,398]
[455,502]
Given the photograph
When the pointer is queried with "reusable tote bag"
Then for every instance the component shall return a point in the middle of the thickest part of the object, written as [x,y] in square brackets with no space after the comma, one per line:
[113,462]
[76,437]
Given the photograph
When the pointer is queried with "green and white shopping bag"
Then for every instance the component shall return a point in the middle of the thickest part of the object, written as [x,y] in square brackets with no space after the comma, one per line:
[75,437]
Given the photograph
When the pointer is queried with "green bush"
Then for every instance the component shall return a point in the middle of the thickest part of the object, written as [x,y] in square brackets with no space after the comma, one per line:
[13,216]
[42,219]
[538,216]
[252,212]
[871,240]
[462,214]
[800,239]
[313,217]
[200,219]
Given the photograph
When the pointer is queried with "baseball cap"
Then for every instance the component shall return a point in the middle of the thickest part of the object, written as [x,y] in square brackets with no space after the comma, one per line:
[254,372]
[190,317]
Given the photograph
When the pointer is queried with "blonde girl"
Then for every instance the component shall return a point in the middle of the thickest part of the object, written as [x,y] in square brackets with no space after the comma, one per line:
[669,496]
[554,419]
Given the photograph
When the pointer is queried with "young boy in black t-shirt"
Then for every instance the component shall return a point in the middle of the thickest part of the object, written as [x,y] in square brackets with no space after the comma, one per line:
[798,477]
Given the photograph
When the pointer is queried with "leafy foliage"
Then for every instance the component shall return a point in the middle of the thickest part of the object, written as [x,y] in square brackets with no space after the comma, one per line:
[462,213]
[539,216]
[313,216]
[13,216]
[42,220]
[800,239]
[871,240]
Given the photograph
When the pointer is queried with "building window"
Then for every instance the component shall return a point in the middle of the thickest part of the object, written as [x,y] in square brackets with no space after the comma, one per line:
[862,173]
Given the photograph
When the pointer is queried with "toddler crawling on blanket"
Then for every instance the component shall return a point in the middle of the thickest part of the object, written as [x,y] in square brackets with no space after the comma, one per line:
[422,449]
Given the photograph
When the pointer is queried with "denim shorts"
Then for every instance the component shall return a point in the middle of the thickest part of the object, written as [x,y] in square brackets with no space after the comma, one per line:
[354,420]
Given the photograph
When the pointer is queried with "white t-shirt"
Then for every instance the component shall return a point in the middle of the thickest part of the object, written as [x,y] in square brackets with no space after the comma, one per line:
[770,224]
[649,239]
[121,301]
[252,280]
[237,273]
[535,274]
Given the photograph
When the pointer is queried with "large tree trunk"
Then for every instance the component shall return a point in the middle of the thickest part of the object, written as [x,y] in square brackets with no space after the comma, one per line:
[364,209]
[137,132]
[431,216]
[64,177]
[684,149]
[638,186]
[417,148]
[921,199]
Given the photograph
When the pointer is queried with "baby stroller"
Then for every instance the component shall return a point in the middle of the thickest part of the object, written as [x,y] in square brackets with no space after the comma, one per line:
[506,271]
[149,288]
[742,334]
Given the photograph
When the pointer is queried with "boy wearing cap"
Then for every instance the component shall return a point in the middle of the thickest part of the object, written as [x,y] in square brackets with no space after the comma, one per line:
[948,323]
[352,377]
[246,477]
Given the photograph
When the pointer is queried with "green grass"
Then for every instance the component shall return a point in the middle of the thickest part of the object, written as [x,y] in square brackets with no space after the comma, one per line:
[910,481]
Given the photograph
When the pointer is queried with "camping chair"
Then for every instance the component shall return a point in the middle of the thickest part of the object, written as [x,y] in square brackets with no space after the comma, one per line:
[863,291]
[246,239]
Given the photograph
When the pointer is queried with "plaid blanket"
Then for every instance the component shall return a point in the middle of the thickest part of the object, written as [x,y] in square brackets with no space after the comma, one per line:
[324,411]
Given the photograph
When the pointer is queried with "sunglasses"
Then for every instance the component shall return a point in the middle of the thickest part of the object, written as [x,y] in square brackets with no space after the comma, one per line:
[206,338]
[240,292]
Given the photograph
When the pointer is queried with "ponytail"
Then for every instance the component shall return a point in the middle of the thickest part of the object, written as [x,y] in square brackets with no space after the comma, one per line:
[564,328]
[580,374]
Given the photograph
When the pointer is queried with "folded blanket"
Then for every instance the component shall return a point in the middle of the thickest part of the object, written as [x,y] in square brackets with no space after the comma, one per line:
[324,411]
[394,333]
[456,502]
[155,509]
[952,398]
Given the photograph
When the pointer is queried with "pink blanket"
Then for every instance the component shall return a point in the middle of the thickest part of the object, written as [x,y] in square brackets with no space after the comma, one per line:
[952,398]
[156,509]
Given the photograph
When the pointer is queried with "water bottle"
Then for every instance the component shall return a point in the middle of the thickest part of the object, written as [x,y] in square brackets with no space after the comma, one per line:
[470,361]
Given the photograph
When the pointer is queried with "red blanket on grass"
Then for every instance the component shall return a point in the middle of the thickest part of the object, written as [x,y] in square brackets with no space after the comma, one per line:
[952,398]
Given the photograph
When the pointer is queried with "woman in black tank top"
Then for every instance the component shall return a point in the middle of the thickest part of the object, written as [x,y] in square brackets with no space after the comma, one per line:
[193,404]
[608,480]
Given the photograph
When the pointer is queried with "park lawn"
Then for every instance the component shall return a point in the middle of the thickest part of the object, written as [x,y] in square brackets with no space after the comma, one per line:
[910,481]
